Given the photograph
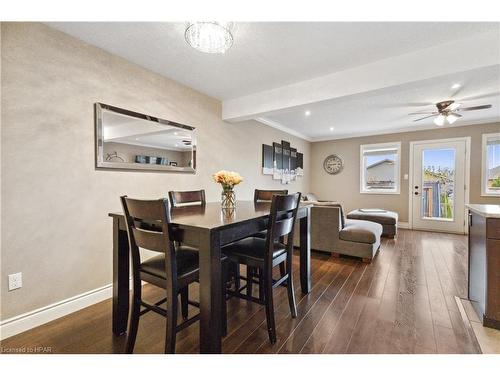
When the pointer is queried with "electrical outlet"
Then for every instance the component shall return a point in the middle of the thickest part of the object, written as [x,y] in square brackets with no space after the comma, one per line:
[15,281]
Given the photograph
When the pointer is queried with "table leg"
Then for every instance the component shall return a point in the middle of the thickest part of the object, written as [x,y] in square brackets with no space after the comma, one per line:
[120,278]
[305,252]
[210,292]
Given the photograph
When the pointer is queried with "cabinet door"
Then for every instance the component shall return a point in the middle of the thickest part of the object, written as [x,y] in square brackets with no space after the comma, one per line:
[477,262]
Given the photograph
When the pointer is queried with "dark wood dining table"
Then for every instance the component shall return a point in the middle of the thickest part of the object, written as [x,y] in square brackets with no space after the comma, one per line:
[208,228]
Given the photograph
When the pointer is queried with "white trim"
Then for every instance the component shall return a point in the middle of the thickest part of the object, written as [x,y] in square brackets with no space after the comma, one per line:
[485,137]
[403,225]
[466,176]
[283,128]
[374,146]
[23,322]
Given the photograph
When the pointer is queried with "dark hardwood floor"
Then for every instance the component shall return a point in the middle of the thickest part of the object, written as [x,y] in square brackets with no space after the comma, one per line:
[403,302]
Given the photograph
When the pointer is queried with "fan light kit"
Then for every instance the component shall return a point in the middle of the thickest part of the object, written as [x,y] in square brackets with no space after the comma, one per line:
[447,112]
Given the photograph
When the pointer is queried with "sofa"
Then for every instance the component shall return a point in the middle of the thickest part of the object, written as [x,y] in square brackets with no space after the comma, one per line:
[332,232]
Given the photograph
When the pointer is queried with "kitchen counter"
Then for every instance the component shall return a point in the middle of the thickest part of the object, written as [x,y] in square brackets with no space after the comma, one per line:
[485,210]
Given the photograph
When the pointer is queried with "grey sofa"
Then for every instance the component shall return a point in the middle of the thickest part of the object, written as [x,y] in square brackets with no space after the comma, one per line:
[332,232]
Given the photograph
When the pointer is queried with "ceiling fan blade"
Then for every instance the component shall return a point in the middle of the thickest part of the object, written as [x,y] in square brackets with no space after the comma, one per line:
[475,108]
[423,113]
[423,118]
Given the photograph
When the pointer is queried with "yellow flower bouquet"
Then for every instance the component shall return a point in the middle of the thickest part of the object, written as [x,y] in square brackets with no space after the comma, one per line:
[227,179]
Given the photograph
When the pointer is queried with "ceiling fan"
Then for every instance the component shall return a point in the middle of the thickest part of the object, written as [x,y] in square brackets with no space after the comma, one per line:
[447,112]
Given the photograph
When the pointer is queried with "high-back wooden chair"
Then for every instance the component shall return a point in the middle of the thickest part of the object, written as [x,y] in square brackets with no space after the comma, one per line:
[148,227]
[267,195]
[187,197]
[265,254]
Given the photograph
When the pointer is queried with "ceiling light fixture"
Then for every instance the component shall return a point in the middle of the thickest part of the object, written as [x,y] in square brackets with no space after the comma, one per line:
[307,113]
[451,118]
[209,37]
[331,128]
[456,86]
[439,121]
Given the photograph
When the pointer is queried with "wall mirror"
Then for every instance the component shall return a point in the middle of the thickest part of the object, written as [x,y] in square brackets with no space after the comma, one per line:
[135,141]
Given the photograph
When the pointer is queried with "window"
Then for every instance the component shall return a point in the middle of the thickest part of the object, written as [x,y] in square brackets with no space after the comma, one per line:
[380,168]
[490,184]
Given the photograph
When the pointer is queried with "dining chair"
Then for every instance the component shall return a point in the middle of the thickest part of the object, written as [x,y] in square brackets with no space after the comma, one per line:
[267,195]
[174,269]
[265,254]
[259,196]
[178,198]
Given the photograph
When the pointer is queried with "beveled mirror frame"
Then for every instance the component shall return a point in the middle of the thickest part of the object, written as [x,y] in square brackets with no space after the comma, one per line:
[100,161]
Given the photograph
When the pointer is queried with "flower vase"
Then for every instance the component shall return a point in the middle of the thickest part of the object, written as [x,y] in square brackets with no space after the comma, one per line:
[228,199]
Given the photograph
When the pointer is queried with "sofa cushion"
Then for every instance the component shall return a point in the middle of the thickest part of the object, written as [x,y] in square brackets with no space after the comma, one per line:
[332,204]
[382,217]
[361,231]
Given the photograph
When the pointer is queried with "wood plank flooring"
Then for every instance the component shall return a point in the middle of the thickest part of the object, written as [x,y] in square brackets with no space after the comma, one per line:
[403,302]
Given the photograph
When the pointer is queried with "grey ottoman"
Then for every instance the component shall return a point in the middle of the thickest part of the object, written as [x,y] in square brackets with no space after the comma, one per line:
[388,219]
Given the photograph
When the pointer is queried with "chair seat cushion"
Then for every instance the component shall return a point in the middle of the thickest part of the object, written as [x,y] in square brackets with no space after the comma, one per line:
[382,217]
[361,231]
[187,262]
[253,248]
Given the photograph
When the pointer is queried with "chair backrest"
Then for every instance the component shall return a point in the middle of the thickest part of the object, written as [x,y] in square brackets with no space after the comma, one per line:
[185,197]
[267,195]
[148,227]
[282,220]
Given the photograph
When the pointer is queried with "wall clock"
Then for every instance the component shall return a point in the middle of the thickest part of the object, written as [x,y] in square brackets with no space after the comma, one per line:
[333,164]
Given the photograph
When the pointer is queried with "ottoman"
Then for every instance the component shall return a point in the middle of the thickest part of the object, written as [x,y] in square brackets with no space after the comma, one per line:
[388,219]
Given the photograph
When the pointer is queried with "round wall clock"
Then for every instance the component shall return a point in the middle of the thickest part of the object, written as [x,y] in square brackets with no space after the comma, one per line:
[333,164]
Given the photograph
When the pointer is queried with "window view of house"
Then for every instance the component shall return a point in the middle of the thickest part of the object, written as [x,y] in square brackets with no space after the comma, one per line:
[438,183]
[380,168]
[491,164]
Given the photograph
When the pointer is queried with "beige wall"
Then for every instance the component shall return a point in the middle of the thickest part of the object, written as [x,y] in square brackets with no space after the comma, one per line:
[344,187]
[54,203]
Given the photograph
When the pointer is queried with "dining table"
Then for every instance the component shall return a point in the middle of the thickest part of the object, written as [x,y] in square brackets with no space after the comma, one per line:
[207,227]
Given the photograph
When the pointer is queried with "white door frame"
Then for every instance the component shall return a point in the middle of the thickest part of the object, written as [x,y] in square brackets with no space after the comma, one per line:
[466,175]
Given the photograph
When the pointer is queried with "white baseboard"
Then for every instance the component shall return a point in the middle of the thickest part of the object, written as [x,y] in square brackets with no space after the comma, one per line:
[403,225]
[35,318]
[20,323]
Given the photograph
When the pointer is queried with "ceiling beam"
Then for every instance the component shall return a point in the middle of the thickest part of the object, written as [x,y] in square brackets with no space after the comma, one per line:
[457,56]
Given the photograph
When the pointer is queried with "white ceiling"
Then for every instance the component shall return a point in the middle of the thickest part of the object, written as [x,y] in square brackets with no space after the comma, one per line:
[273,55]
[387,110]
[265,55]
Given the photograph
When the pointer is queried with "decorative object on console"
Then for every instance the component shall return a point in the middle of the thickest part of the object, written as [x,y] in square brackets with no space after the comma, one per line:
[114,157]
[333,164]
[144,159]
[282,161]
[228,180]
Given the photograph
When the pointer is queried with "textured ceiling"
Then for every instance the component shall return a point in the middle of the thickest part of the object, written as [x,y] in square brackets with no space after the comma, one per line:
[265,55]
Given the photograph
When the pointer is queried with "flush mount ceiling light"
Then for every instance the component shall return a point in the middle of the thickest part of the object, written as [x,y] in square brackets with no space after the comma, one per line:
[307,113]
[209,36]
